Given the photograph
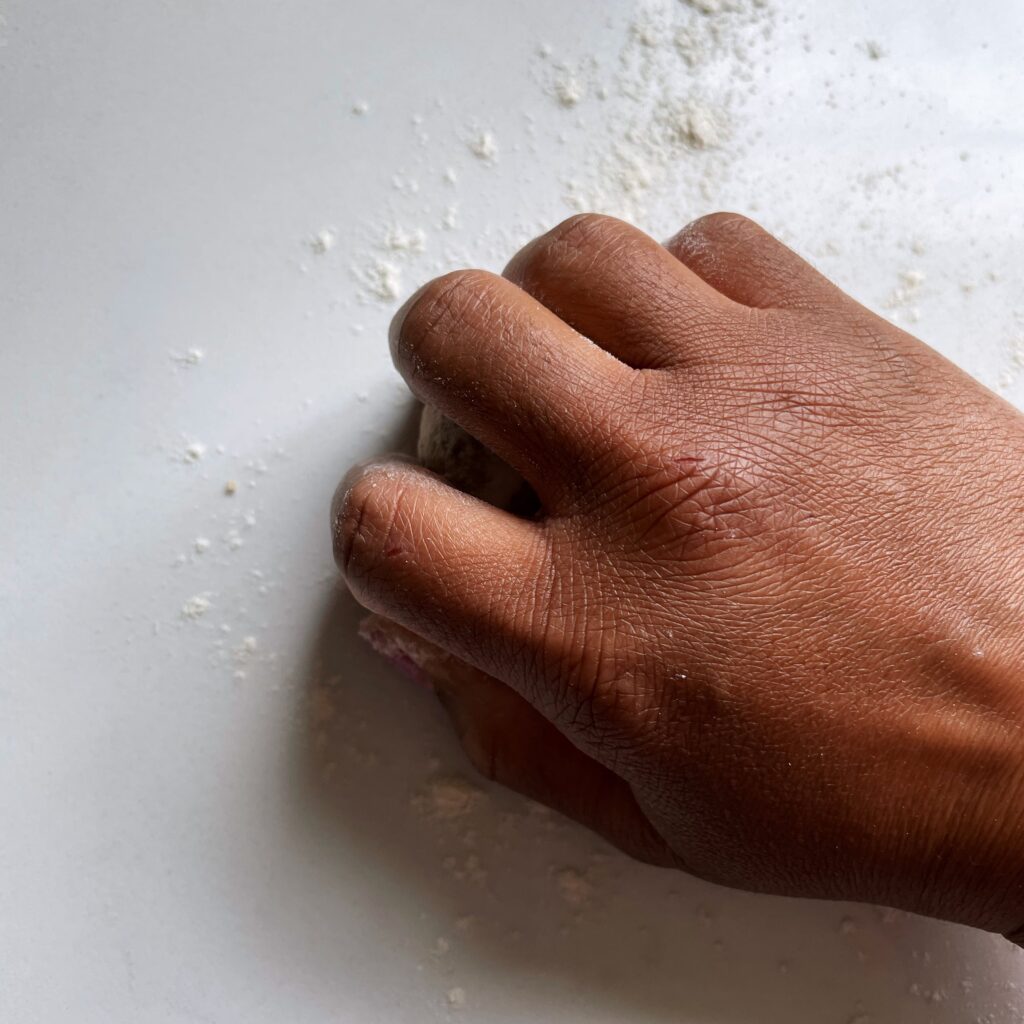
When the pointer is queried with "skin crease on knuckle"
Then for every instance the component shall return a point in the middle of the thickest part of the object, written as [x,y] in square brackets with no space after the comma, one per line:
[786,599]
[588,234]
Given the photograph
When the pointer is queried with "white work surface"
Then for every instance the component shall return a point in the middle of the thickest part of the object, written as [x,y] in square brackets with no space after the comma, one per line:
[209,804]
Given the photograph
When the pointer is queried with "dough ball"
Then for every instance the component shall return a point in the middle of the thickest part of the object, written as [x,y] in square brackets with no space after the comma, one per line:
[446,449]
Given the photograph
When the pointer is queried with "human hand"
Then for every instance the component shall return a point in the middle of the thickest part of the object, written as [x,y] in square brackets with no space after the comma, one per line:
[769,624]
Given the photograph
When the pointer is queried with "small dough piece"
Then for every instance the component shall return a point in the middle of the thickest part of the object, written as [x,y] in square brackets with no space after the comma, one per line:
[448,450]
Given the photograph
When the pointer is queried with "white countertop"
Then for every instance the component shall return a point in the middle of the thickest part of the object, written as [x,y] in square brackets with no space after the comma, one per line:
[172,849]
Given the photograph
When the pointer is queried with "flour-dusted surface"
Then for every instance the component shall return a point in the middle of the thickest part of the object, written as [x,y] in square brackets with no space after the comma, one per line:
[218,804]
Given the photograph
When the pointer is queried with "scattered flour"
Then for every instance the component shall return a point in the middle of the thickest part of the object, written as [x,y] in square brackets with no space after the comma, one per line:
[447,797]
[568,90]
[903,298]
[673,98]
[1015,367]
[323,241]
[246,650]
[190,357]
[194,451]
[694,124]
[467,869]
[384,280]
[195,607]
[456,997]
[574,886]
[672,128]
[484,146]
[399,239]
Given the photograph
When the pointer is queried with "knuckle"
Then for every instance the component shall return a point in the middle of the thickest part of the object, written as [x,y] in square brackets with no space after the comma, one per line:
[723,224]
[452,296]
[588,233]
[697,506]
[721,228]
[570,250]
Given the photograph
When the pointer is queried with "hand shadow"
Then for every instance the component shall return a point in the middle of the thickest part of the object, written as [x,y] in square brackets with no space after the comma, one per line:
[522,908]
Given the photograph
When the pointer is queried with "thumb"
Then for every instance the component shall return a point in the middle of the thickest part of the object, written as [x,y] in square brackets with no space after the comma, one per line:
[510,742]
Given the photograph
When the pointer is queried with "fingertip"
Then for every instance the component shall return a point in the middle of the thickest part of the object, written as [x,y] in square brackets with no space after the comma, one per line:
[398,320]
[357,495]
[413,548]
[451,293]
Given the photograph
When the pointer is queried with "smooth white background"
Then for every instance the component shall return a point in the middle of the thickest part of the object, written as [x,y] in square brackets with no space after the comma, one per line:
[170,850]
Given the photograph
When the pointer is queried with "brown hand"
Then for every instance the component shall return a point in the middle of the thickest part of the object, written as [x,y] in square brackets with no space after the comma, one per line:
[773,609]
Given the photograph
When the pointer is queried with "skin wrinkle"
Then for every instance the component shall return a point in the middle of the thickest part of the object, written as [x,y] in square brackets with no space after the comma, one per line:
[561,698]
[549,654]
[703,509]
[349,528]
[383,532]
